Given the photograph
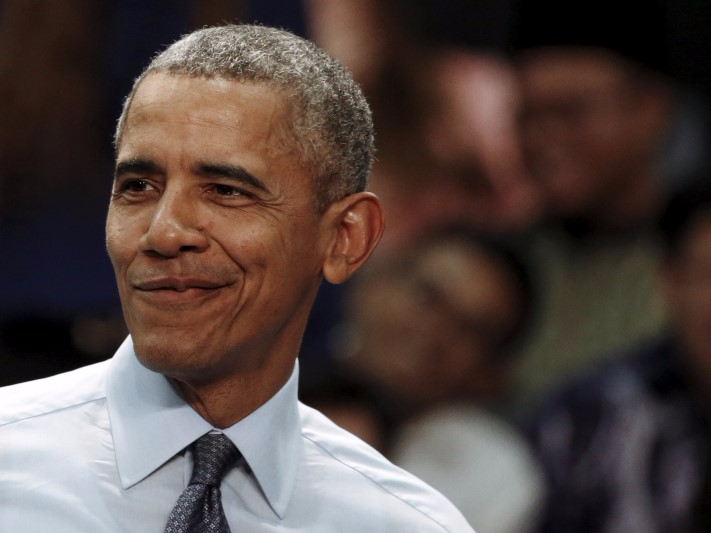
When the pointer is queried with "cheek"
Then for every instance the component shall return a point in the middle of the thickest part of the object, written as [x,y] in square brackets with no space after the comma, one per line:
[252,247]
[122,238]
[116,240]
[272,257]
[608,142]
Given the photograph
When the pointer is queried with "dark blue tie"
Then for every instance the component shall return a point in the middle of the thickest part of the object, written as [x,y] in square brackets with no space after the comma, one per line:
[199,508]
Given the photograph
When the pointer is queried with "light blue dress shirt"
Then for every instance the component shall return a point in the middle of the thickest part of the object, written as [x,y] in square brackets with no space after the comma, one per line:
[103,448]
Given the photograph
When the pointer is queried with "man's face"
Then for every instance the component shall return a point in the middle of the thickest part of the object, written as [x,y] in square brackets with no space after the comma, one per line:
[433,330]
[212,230]
[581,127]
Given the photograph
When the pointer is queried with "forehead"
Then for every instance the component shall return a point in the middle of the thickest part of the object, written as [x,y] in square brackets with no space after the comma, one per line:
[185,122]
[472,280]
[232,107]
[466,274]
[551,70]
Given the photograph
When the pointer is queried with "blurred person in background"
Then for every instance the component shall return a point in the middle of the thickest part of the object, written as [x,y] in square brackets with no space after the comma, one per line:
[606,134]
[437,331]
[444,112]
[353,402]
[444,103]
[627,446]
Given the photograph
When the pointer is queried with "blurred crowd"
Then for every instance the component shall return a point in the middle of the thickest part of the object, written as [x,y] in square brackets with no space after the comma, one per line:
[533,334]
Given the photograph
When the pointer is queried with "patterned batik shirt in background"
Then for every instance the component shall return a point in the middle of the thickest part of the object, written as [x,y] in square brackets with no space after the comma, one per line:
[624,448]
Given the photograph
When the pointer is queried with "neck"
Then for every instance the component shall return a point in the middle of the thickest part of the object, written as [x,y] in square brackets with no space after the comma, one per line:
[225,402]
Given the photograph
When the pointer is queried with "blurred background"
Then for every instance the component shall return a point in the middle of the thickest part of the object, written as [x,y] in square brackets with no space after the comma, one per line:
[527,153]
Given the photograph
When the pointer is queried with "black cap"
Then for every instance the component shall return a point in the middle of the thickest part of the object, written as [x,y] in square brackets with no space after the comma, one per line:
[632,29]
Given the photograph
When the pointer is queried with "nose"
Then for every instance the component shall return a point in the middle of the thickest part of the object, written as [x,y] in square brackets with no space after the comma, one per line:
[175,227]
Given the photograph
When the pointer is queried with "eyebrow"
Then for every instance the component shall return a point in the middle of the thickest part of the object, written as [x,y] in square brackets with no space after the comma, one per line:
[232,172]
[224,170]
[138,166]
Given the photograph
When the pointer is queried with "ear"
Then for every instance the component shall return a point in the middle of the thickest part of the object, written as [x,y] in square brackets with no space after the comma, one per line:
[355,227]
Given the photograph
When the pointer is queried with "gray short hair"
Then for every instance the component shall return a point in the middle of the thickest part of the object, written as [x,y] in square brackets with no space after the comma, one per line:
[331,122]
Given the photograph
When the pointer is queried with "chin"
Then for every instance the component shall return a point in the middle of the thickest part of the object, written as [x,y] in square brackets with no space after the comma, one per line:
[167,354]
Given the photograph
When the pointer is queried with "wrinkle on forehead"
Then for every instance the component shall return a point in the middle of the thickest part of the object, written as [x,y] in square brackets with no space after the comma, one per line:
[216,107]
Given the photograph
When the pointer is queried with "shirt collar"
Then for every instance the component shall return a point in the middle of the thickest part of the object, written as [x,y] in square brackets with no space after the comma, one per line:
[151,423]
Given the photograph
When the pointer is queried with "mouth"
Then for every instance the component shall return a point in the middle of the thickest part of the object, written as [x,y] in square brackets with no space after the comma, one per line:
[176,291]
[177,284]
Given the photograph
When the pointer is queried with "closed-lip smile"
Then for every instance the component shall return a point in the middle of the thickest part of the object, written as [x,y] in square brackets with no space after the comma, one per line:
[177,284]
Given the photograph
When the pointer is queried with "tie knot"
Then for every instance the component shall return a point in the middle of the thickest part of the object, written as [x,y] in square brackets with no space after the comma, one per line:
[214,454]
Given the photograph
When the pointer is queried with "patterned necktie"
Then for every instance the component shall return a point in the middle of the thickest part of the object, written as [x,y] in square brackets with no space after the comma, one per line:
[199,508]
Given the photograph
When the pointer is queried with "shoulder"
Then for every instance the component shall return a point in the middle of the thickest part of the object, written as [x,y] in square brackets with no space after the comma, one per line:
[620,377]
[381,486]
[467,433]
[473,457]
[632,379]
[57,393]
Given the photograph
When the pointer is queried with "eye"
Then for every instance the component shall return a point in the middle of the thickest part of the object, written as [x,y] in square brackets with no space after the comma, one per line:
[229,195]
[135,185]
[226,190]
[132,189]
